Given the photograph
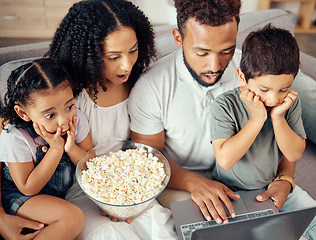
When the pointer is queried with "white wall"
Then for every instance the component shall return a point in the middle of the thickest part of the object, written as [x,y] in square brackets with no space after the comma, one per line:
[248,5]
[162,12]
[159,12]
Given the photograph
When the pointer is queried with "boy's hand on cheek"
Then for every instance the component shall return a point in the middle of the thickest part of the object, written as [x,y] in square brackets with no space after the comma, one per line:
[70,141]
[54,140]
[278,111]
[254,104]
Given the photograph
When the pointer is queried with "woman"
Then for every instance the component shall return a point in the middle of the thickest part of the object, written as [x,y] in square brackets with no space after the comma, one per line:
[105,45]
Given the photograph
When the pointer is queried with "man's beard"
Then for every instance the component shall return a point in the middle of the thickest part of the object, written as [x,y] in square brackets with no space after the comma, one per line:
[198,78]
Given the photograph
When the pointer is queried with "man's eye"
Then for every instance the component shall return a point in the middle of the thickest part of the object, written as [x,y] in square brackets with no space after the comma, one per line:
[201,54]
[49,116]
[228,52]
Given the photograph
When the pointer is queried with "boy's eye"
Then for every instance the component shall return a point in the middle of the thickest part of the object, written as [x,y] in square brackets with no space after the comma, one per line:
[283,90]
[263,90]
[70,107]
[49,116]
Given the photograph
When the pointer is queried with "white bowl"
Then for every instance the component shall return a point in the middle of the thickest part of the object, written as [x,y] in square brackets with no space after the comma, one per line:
[121,211]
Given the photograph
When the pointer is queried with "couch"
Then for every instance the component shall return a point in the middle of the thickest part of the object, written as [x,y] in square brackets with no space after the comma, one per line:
[305,173]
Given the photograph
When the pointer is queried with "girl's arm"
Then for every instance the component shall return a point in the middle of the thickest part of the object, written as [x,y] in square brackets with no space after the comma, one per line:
[11,226]
[291,145]
[77,151]
[30,180]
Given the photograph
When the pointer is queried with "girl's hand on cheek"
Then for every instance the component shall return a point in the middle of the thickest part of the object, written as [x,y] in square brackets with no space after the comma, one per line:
[70,142]
[278,111]
[254,104]
[54,140]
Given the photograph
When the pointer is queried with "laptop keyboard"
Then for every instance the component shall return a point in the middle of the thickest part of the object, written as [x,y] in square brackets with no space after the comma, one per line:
[187,229]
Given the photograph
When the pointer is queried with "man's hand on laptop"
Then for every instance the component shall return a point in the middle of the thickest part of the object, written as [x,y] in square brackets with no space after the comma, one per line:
[210,196]
[278,191]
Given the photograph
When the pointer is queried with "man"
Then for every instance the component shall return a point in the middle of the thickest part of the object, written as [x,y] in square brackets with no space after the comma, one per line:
[169,108]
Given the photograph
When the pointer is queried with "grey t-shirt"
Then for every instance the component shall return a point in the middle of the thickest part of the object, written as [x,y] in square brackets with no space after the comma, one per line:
[167,98]
[258,167]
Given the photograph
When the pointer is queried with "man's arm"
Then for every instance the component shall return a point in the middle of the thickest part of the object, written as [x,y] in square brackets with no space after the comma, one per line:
[207,194]
[278,191]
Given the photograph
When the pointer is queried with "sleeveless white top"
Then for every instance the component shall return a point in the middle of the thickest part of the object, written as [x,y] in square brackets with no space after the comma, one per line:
[106,123]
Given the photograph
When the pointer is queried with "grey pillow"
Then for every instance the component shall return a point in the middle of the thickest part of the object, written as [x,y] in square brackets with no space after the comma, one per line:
[306,88]
[5,71]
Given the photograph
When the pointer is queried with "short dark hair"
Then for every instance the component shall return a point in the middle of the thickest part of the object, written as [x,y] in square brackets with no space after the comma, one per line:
[78,42]
[269,50]
[39,75]
[209,12]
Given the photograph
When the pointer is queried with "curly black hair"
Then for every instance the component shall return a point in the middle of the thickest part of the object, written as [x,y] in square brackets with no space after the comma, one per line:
[208,12]
[269,51]
[23,82]
[78,42]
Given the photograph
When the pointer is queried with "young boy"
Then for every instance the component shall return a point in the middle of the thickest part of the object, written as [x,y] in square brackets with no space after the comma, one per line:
[258,124]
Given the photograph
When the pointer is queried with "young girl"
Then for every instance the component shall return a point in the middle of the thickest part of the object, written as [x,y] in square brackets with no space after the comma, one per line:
[105,45]
[44,140]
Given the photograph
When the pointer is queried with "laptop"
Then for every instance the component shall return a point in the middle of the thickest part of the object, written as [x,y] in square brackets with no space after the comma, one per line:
[254,220]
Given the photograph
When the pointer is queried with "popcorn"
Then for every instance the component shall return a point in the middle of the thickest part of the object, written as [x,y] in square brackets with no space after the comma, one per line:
[124,177]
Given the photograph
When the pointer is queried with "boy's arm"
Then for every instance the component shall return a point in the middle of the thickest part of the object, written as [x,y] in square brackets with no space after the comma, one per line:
[290,144]
[229,151]
[278,191]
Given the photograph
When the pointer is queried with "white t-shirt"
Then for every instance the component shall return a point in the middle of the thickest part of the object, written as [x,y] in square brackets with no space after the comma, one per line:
[106,123]
[168,98]
[17,145]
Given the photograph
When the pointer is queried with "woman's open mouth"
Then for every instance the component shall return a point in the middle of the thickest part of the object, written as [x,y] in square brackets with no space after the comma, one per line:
[123,78]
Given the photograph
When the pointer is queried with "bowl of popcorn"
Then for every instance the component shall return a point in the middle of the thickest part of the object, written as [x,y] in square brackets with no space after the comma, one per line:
[123,177]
